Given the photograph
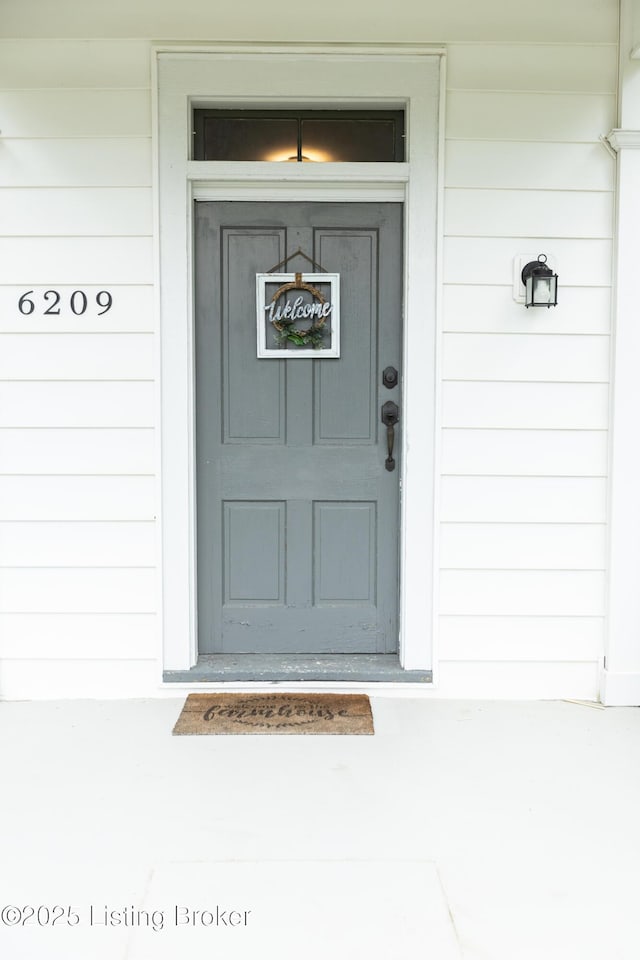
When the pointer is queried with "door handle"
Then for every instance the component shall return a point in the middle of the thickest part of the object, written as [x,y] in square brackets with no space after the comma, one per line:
[389,416]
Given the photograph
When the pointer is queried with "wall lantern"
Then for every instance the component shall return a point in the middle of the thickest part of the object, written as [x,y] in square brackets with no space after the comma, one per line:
[540,283]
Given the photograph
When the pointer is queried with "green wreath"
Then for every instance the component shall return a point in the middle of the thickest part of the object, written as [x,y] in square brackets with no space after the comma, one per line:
[313,335]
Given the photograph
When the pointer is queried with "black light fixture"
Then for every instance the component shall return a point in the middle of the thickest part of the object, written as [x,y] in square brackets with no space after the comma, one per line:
[540,283]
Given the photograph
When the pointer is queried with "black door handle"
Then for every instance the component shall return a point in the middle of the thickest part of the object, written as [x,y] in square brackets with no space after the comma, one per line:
[389,416]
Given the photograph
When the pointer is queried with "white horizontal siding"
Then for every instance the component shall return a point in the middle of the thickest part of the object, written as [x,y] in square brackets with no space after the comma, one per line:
[77,451]
[76,356]
[489,260]
[545,406]
[76,207]
[557,453]
[525,392]
[530,213]
[76,261]
[470,356]
[585,68]
[75,113]
[90,63]
[523,499]
[77,590]
[77,404]
[508,115]
[68,636]
[525,679]
[492,309]
[530,165]
[77,498]
[551,593]
[527,546]
[521,638]
[77,544]
[109,678]
[77,447]
[98,211]
[77,162]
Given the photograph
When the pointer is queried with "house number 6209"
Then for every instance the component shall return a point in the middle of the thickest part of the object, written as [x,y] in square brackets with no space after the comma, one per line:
[78,301]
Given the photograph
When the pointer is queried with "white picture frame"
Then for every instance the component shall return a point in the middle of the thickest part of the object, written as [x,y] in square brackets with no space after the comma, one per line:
[326,306]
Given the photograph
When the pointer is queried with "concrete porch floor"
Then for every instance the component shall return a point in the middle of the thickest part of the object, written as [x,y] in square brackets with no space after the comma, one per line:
[473,830]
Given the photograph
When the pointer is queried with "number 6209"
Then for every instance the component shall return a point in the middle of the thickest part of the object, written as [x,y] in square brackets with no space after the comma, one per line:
[78,301]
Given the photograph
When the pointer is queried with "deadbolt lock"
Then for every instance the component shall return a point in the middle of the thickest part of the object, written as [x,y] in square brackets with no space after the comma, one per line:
[389,377]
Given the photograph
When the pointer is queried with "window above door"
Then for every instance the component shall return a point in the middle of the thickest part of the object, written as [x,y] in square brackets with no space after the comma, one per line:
[326,136]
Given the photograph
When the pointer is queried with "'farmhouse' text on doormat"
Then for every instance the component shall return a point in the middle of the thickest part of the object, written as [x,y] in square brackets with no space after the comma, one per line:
[301,713]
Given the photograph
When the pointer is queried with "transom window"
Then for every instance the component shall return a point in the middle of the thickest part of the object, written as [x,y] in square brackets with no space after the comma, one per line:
[329,136]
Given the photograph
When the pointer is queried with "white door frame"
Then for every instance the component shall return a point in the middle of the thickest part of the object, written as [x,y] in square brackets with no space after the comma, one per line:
[392,76]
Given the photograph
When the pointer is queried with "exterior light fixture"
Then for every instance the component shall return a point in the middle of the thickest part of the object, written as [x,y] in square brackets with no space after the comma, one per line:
[540,283]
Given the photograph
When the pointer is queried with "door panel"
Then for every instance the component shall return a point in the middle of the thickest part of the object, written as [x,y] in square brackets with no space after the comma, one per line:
[350,384]
[253,405]
[344,552]
[297,516]
[254,558]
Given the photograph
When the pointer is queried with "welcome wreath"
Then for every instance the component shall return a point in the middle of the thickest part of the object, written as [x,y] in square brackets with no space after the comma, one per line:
[284,319]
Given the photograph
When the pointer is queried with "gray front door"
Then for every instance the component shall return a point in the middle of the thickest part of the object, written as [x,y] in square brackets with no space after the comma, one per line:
[297,516]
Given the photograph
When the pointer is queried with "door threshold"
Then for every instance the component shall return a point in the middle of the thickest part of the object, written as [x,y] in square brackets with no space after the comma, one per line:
[278,668]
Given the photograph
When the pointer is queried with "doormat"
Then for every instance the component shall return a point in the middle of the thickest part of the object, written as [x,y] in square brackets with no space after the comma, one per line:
[301,713]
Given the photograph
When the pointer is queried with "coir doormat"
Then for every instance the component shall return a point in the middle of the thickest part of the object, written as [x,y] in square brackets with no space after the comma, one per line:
[301,713]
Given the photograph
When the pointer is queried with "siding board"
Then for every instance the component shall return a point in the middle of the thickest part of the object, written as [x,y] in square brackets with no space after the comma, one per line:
[521,638]
[534,213]
[485,309]
[98,212]
[74,63]
[489,260]
[80,162]
[79,404]
[123,636]
[551,406]
[560,117]
[556,593]
[75,113]
[468,356]
[44,590]
[508,165]
[523,499]
[76,356]
[77,544]
[75,260]
[77,498]
[77,451]
[557,453]
[53,679]
[522,546]
[586,68]
[530,680]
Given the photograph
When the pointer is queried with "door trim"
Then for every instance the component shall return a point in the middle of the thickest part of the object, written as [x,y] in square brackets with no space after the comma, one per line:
[356,76]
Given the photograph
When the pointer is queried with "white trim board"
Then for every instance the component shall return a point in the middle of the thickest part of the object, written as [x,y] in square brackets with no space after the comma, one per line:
[326,76]
[619,689]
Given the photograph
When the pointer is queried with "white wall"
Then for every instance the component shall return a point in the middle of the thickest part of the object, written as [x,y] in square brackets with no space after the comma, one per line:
[523,398]
[77,491]
[525,392]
